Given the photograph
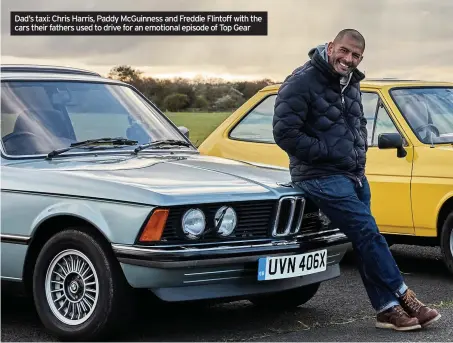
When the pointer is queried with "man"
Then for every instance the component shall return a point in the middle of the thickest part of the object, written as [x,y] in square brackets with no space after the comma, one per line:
[319,123]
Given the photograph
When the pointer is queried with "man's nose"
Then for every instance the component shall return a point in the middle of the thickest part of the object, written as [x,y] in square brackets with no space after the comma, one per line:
[348,58]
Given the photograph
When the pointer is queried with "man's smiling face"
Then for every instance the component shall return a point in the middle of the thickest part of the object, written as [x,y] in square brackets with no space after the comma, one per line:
[345,54]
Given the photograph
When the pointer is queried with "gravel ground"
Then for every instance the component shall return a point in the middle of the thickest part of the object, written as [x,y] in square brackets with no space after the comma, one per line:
[339,312]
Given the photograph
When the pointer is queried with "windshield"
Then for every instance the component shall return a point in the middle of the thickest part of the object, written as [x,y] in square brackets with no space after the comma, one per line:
[428,111]
[40,116]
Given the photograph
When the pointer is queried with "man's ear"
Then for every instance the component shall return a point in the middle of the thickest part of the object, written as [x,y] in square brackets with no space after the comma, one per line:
[330,49]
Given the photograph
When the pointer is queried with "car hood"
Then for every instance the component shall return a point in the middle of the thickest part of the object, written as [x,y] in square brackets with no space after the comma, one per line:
[150,179]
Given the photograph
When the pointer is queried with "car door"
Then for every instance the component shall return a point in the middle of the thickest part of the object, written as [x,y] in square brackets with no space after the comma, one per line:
[388,175]
[251,139]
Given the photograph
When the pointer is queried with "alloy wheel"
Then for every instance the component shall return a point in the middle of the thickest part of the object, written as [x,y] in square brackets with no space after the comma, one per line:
[72,287]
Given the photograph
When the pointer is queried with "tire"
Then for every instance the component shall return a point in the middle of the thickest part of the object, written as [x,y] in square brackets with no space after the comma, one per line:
[287,299]
[105,290]
[446,242]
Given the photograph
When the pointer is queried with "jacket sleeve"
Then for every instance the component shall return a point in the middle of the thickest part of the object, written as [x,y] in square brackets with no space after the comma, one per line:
[363,123]
[290,116]
[364,131]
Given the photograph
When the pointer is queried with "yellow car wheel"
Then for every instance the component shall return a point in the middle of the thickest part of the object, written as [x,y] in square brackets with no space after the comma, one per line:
[446,242]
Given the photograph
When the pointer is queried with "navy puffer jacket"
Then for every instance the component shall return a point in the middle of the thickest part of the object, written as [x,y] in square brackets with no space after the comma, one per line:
[322,130]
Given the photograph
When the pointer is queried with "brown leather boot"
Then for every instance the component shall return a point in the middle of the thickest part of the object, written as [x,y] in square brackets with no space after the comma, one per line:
[397,319]
[415,308]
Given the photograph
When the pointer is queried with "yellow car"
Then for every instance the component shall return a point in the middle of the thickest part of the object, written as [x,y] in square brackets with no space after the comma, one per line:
[409,160]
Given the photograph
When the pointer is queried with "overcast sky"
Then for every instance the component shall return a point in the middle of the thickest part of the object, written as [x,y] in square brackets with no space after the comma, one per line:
[405,38]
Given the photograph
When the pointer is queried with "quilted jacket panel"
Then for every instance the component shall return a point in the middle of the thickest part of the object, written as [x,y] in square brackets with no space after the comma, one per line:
[322,130]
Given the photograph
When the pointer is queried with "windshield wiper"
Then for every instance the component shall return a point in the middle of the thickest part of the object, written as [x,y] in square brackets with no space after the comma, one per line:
[158,144]
[111,142]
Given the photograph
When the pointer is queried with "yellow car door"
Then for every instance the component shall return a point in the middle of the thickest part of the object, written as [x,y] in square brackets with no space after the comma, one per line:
[389,176]
[247,135]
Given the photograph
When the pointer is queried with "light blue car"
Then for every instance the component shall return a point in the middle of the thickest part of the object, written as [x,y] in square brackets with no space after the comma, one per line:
[102,194]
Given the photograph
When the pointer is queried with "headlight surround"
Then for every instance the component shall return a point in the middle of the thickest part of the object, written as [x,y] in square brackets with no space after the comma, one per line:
[193,223]
[229,221]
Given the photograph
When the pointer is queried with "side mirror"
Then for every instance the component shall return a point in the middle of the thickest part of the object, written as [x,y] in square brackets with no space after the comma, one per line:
[184,130]
[392,141]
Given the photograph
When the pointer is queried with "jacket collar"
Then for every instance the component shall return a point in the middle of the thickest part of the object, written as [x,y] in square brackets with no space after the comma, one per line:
[319,62]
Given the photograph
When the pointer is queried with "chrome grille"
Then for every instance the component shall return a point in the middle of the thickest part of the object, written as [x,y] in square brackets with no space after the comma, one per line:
[289,217]
[263,219]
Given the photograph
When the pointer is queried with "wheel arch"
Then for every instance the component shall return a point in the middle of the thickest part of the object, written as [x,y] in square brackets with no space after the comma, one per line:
[51,226]
[445,210]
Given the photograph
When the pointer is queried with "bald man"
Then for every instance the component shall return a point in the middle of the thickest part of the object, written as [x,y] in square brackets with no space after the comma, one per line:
[319,122]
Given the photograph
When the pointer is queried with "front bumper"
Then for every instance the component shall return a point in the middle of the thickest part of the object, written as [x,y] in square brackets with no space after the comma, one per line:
[225,271]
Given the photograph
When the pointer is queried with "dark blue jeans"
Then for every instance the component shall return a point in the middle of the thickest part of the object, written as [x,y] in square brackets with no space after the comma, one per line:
[347,204]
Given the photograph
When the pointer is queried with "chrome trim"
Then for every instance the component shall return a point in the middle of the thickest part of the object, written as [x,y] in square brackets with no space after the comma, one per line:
[124,248]
[333,255]
[11,278]
[216,279]
[183,250]
[215,272]
[242,241]
[206,244]
[167,259]
[294,200]
[14,239]
[291,215]
[301,215]
[40,68]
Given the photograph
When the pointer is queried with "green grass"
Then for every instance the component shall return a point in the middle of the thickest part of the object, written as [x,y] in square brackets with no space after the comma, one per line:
[200,124]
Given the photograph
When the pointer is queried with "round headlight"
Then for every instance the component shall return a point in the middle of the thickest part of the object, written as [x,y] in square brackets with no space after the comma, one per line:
[193,223]
[229,220]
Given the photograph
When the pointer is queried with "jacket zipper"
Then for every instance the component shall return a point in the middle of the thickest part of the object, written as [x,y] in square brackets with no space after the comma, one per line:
[353,133]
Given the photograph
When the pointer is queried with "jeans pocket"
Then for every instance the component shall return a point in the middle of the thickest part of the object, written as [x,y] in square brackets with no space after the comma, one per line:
[337,186]
[309,186]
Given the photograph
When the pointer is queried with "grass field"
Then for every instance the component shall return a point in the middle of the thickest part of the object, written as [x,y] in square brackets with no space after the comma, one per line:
[200,124]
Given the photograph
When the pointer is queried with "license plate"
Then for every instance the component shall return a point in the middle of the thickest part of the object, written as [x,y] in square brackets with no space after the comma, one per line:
[283,267]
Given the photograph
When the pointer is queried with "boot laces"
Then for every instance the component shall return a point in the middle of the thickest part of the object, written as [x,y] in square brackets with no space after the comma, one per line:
[412,302]
[400,311]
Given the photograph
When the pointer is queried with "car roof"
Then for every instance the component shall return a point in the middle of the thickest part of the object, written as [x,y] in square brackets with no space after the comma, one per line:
[384,83]
[50,72]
